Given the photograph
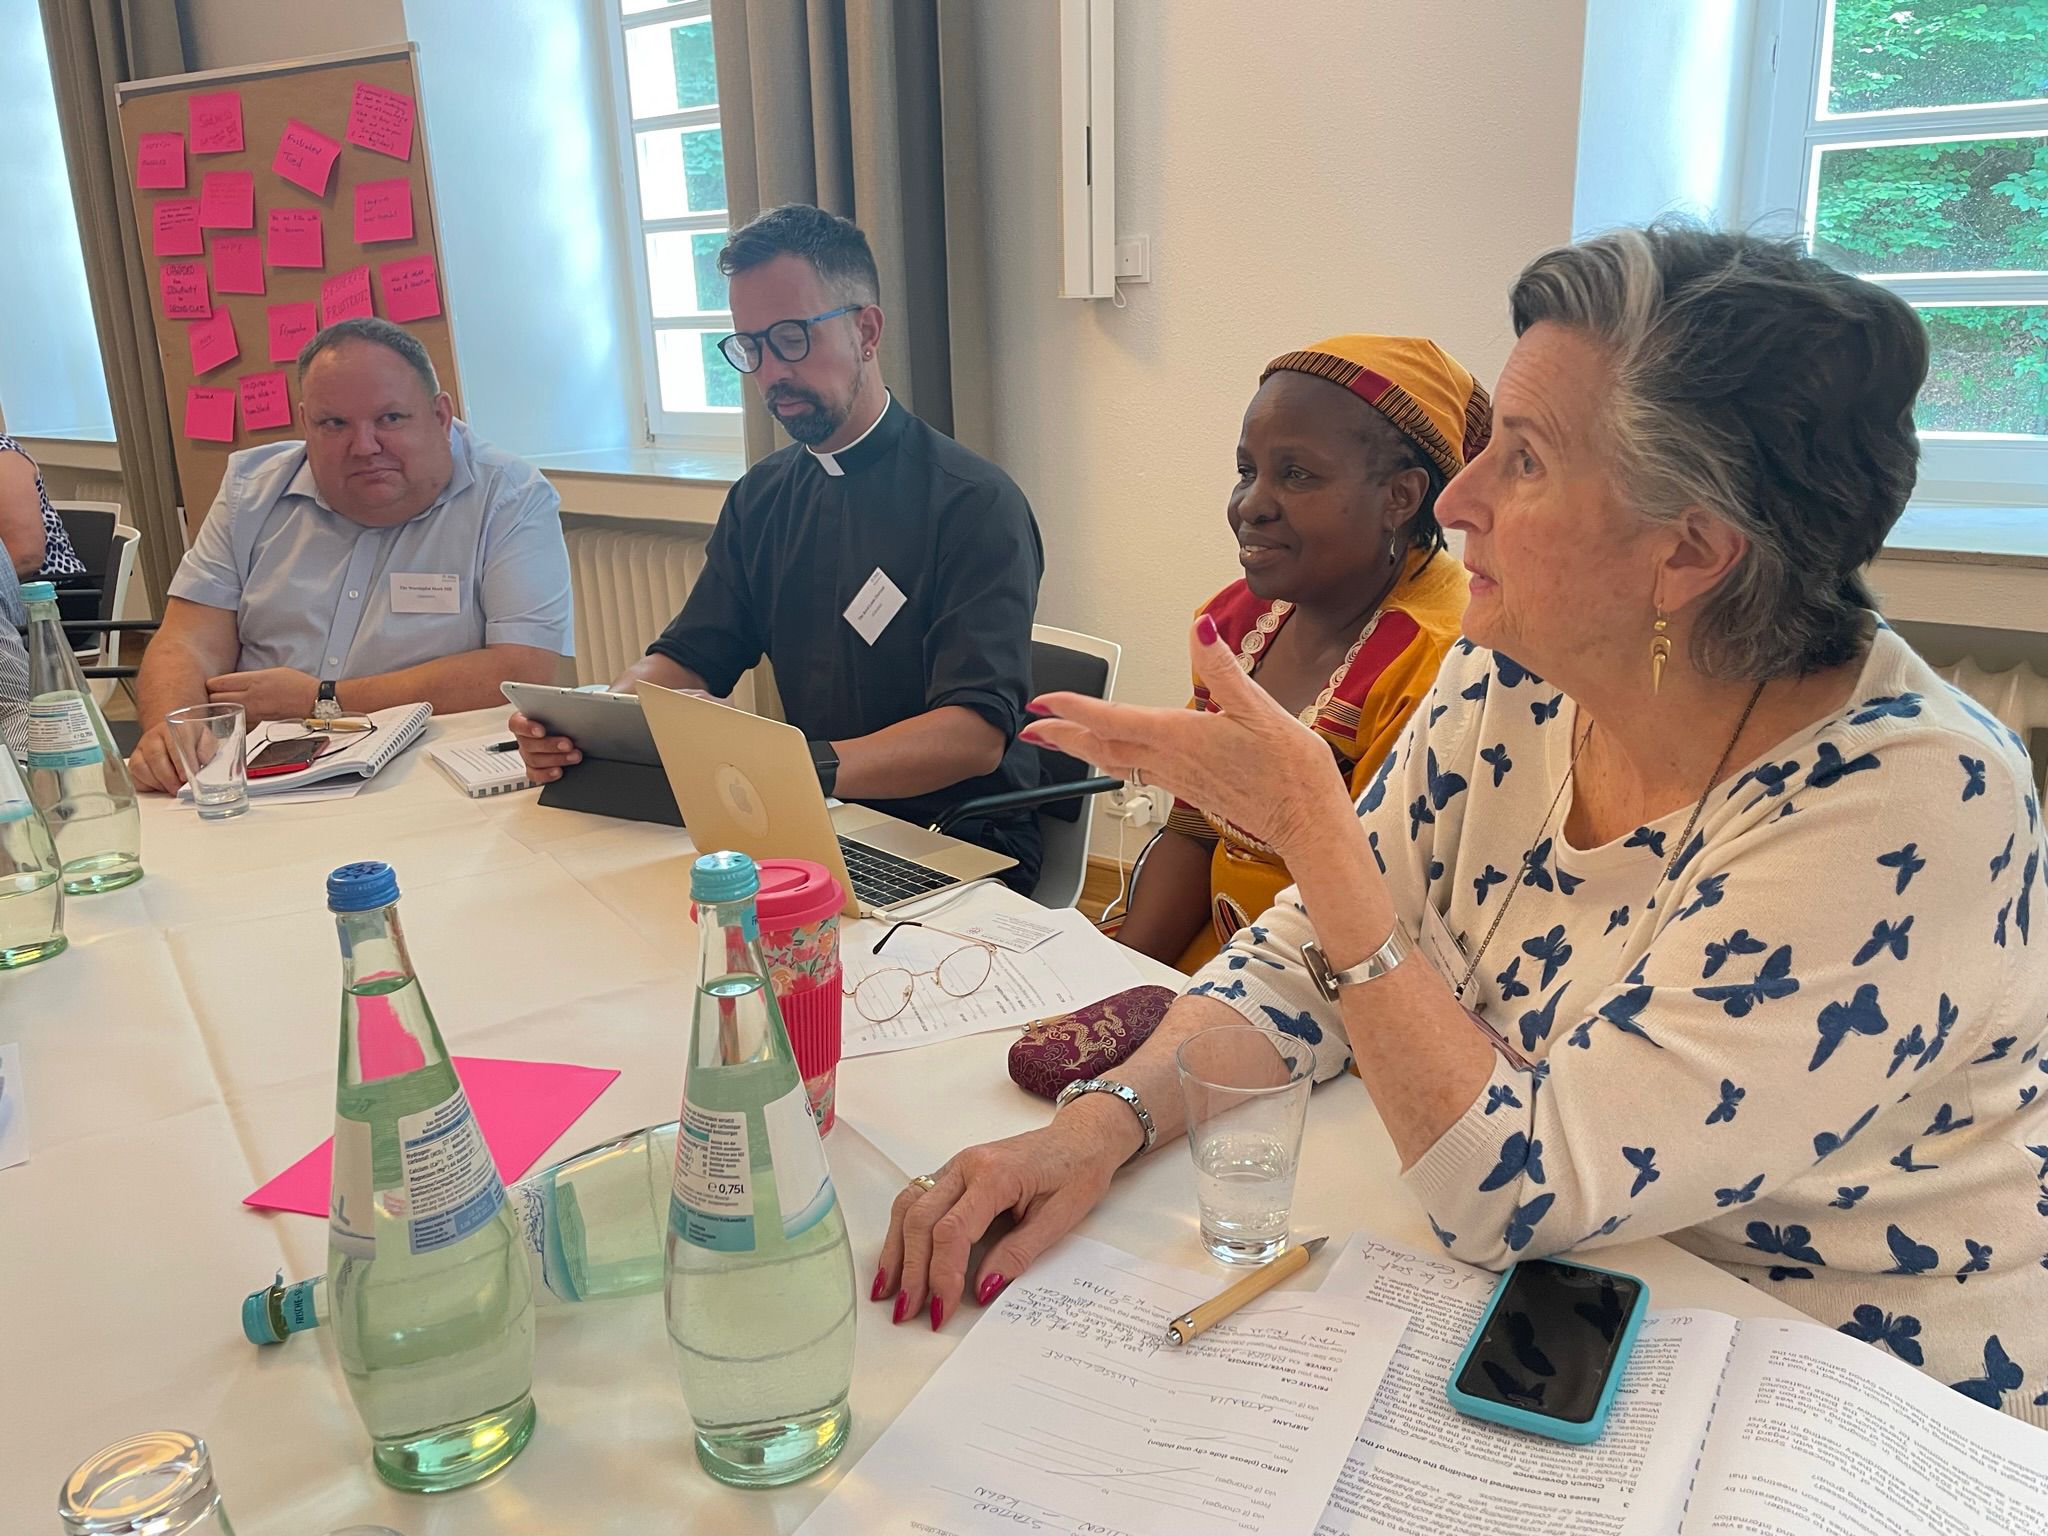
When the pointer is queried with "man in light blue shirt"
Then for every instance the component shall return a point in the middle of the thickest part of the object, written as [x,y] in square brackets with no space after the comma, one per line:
[389,558]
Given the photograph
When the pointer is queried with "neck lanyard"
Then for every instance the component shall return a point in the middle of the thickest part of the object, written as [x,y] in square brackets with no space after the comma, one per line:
[1571,769]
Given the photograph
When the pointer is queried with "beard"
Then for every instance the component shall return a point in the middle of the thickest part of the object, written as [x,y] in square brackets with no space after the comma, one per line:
[817,421]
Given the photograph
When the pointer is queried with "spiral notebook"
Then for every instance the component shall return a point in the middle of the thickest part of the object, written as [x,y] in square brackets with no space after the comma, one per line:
[479,772]
[362,755]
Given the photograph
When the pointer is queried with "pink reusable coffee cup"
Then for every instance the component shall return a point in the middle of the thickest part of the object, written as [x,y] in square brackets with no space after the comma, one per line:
[798,907]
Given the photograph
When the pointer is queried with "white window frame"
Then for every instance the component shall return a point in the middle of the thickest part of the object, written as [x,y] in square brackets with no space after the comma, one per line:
[1781,178]
[717,429]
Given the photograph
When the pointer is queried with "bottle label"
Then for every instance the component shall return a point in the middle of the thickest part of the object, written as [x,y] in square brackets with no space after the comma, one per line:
[297,1306]
[60,733]
[351,1221]
[803,1183]
[451,1185]
[712,1204]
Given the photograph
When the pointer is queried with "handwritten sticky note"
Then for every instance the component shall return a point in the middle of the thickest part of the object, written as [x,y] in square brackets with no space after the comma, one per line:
[291,327]
[210,414]
[237,264]
[345,296]
[227,200]
[381,120]
[293,237]
[409,289]
[184,290]
[266,401]
[176,227]
[212,341]
[383,211]
[305,157]
[160,160]
[216,122]
[522,1107]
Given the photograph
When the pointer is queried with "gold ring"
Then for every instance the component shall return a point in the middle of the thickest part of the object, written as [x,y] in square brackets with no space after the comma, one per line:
[924,1181]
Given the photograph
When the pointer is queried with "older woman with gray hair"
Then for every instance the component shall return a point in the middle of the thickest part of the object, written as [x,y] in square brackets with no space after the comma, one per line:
[1732,896]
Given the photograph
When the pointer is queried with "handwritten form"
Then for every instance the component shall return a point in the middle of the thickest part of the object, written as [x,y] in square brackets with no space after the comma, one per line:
[1075,967]
[1065,1409]
[1420,1467]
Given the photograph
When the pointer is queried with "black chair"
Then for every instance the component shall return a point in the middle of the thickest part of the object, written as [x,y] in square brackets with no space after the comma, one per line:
[1062,661]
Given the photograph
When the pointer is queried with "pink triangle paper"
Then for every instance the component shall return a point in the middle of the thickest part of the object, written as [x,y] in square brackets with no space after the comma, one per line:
[522,1106]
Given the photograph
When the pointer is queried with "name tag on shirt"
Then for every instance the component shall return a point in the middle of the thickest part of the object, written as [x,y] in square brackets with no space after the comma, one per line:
[878,601]
[418,592]
[1440,946]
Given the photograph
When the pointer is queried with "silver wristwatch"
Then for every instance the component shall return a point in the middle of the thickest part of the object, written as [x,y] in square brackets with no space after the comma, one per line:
[1123,1091]
[1382,960]
[326,706]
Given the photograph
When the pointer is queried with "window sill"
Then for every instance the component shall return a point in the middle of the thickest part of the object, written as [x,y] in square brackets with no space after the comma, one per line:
[82,450]
[1978,535]
[646,484]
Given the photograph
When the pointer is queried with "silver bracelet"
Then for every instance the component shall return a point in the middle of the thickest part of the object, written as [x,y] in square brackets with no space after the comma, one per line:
[1123,1091]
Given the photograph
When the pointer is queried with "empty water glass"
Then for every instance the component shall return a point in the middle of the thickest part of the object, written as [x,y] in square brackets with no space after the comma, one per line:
[154,1484]
[1246,1092]
[212,746]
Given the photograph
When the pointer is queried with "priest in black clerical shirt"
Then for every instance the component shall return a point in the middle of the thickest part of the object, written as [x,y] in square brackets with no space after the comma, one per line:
[888,574]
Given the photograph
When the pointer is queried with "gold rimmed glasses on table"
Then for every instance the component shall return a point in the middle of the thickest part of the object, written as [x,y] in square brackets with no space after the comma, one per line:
[881,995]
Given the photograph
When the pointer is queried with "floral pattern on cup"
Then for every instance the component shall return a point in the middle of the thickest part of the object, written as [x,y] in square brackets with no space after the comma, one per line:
[802,957]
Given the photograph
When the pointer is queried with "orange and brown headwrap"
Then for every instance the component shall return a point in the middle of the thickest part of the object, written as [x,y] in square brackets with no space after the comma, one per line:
[1413,382]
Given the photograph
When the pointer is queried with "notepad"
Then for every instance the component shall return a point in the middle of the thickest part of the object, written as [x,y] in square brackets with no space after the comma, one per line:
[478,772]
[354,756]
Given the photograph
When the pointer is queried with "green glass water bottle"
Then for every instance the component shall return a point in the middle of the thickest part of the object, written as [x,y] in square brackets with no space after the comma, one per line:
[759,1277]
[427,1274]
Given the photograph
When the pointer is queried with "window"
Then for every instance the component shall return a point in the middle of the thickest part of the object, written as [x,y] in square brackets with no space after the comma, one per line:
[672,156]
[1912,140]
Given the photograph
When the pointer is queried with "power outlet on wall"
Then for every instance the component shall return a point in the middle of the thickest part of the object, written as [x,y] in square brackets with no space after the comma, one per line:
[1134,259]
[1135,807]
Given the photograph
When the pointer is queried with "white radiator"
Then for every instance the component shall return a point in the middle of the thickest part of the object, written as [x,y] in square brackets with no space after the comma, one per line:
[628,583]
[2018,696]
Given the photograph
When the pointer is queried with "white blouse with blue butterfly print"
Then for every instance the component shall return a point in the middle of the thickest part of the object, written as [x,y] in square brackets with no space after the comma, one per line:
[1817,1055]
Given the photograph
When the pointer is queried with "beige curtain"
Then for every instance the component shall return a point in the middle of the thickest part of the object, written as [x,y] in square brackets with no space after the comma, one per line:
[863,107]
[94,44]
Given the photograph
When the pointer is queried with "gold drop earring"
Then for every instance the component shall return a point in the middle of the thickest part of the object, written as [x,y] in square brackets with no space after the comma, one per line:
[1660,650]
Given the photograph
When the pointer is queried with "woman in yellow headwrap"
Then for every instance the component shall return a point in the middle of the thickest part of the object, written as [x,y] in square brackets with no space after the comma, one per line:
[1347,604]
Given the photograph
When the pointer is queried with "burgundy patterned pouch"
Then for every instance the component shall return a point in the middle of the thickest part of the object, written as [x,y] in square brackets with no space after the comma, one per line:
[1087,1042]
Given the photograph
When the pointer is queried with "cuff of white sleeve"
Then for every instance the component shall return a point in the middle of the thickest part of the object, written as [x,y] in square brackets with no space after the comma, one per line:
[1241,982]
[1445,1177]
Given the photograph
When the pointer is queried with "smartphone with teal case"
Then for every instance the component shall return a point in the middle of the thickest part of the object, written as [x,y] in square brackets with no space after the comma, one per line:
[1549,1353]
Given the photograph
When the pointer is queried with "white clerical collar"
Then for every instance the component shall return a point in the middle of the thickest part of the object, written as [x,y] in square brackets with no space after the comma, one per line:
[829,462]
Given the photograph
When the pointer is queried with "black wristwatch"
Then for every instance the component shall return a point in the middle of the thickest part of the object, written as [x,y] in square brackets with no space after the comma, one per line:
[326,706]
[826,760]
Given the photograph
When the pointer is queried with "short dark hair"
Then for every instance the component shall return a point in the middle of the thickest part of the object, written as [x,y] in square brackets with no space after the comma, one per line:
[1392,452]
[1770,389]
[836,249]
[377,332]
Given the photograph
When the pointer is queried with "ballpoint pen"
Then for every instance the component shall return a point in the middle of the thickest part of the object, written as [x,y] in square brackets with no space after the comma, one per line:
[1200,1320]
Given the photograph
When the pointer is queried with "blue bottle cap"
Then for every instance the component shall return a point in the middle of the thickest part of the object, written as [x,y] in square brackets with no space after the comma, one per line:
[721,877]
[362,887]
[38,592]
[259,1322]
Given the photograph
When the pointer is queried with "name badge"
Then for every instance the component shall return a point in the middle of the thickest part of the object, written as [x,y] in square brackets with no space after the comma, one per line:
[418,592]
[877,602]
[1440,946]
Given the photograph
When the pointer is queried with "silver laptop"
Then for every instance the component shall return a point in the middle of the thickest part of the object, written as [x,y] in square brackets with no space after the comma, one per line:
[746,783]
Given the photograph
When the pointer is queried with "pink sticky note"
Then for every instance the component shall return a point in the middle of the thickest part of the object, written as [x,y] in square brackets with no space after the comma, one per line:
[237,264]
[266,401]
[383,210]
[409,289]
[294,237]
[345,296]
[291,327]
[176,227]
[227,200]
[212,341]
[216,122]
[381,120]
[210,414]
[160,160]
[522,1107]
[305,157]
[184,290]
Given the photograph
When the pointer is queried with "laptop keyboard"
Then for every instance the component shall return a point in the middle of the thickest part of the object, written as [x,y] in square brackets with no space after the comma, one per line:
[882,879]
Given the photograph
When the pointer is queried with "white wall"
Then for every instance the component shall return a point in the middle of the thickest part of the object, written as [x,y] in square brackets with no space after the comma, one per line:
[225,34]
[1662,112]
[1302,169]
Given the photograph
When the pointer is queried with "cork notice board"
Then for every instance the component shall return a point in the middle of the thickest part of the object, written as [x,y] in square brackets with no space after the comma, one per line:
[219,212]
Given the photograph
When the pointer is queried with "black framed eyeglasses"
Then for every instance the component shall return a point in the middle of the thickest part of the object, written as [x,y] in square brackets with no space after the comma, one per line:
[789,340]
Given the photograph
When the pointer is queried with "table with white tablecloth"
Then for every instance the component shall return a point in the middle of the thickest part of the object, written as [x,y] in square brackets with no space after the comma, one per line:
[183,1051]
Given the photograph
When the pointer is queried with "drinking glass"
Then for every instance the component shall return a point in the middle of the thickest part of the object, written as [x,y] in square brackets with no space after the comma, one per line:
[212,745]
[1246,1092]
[154,1484]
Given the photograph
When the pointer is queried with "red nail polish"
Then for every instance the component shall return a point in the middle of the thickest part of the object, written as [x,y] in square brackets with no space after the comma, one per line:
[1030,734]
[903,1306]
[1205,630]
[991,1288]
[881,1284]
[1036,708]
[938,1314]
